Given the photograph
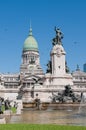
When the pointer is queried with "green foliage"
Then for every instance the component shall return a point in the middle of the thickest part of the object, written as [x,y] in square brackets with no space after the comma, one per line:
[3,108]
[49,67]
[66,67]
[13,109]
[39,127]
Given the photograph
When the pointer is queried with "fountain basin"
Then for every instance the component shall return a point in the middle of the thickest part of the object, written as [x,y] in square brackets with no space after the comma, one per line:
[57,106]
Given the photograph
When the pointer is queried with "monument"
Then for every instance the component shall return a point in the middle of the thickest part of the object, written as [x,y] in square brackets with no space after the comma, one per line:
[59,76]
[32,81]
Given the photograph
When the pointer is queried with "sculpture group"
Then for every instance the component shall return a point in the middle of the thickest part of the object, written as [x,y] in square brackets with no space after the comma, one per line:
[67,95]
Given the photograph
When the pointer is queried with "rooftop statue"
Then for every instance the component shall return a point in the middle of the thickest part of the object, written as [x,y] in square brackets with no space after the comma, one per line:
[59,36]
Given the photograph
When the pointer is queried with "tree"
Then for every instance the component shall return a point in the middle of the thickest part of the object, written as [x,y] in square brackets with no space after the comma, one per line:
[66,67]
[49,67]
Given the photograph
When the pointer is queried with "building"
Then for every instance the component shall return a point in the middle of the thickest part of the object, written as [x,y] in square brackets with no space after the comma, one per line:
[84,67]
[79,80]
[31,82]
[31,72]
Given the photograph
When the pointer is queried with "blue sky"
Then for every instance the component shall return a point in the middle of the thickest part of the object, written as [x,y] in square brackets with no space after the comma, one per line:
[68,15]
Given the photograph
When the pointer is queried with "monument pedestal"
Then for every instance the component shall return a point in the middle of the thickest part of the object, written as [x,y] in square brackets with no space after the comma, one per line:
[7,112]
[2,119]
[19,107]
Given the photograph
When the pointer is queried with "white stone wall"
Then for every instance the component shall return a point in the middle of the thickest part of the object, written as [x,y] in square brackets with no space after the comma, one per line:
[58,60]
[66,79]
[59,65]
[10,95]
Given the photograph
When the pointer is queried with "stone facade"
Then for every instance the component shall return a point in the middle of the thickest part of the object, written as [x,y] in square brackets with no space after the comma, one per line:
[31,82]
[79,80]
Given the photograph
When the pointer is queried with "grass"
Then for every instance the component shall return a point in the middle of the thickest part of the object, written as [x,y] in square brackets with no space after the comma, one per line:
[39,127]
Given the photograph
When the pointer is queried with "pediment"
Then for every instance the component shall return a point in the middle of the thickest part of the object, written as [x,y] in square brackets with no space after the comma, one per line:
[31,78]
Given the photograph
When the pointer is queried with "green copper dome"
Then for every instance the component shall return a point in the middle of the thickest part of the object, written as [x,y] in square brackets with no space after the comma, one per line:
[30,43]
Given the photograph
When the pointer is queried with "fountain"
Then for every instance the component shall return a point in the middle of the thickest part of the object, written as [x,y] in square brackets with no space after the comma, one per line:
[65,99]
[82,107]
[61,116]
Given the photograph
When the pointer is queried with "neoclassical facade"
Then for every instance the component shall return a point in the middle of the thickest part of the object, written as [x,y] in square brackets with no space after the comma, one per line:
[31,82]
[79,79]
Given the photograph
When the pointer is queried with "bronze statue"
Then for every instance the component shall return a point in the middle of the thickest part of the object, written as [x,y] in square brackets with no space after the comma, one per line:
[59,36]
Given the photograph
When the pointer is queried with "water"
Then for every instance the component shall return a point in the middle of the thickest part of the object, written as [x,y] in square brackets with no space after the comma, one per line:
[63,117]
[82,107]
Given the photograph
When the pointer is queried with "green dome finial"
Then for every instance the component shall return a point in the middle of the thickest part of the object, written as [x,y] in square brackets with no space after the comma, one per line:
[30,31]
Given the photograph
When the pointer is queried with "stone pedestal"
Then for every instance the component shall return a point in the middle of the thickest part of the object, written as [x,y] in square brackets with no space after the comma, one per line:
[19,107]
[7,112]
[18,111]
[2,119]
